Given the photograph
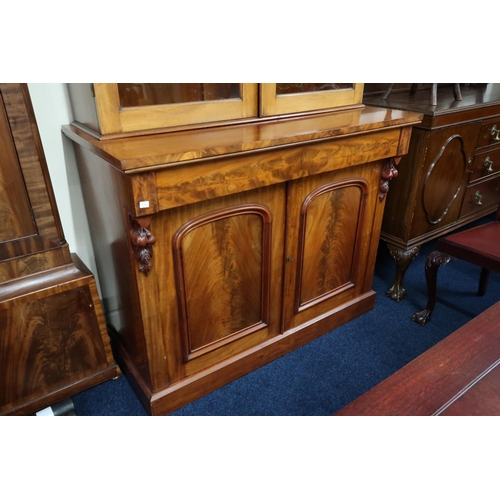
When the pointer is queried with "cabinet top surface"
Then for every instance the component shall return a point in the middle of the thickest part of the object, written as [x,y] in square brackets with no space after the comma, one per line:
[132,153]
[474,96]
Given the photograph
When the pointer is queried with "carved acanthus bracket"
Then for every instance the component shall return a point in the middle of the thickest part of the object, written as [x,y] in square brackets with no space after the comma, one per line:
[142,242]
[389,171]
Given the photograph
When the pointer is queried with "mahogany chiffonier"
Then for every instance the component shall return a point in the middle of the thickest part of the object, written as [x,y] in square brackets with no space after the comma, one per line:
[451,175]
[53,337]
[231,223]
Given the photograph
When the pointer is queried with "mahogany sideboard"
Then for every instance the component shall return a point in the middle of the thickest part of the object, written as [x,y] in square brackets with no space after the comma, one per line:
[451,175]
[458,376]
[221,248]
[53,337]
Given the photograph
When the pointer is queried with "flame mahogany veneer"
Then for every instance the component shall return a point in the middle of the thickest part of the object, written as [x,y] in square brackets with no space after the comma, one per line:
[220,249]
[53,337]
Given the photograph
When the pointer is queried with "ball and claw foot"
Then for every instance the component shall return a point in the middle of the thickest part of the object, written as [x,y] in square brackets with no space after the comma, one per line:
[396,292]
[433,262]
[422,317]
[403,260]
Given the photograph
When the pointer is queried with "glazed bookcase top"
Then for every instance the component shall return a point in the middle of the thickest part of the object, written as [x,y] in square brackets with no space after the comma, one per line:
[110,109]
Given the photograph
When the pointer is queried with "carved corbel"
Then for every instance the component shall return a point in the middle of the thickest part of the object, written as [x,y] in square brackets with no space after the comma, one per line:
[142,242]
[389,172]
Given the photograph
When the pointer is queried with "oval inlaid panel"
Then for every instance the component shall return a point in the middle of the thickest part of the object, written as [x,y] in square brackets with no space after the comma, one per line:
[441,188]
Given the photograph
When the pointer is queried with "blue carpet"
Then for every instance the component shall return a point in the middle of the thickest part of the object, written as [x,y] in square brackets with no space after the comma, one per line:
[323,376]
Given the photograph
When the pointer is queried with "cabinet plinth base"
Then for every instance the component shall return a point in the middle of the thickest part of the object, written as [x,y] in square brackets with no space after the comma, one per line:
[54,343]
[172,398]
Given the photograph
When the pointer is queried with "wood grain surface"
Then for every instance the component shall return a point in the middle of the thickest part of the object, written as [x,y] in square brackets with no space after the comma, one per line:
[238,213]
[457,376]
[223,260]
[53,337]
[15,210]
[170,148]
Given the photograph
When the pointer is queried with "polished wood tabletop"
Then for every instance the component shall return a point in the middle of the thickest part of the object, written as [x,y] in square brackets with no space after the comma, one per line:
[475,97]
[129,153]
[458,376]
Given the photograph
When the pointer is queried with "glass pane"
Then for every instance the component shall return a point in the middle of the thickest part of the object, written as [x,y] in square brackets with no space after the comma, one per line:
[297,88]
[148,94]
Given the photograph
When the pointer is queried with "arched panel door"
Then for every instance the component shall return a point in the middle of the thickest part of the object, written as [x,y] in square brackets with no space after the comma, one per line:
[222,260]
[328,240]
[224,265]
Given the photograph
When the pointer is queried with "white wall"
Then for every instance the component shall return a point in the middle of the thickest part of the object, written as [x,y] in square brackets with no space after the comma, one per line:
[52,110]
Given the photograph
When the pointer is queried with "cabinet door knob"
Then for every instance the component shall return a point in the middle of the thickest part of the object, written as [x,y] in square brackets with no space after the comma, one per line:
[488,165]
[478,198]
[496,133]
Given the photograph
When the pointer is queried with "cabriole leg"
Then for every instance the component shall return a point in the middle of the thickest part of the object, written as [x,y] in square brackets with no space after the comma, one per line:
[403,260]
[432,264]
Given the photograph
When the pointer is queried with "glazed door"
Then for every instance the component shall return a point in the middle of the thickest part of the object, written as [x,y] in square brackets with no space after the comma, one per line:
[132,107]
[329,226]
[287,98]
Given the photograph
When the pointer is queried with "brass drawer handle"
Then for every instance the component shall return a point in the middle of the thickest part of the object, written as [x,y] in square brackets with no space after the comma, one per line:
[496,133]
[488,165]
[478,198]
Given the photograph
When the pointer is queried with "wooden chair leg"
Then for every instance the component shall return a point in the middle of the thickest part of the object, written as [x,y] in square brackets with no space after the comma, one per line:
[457,93]
[483,282]
[387,92]
[432,264]
[434,99]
